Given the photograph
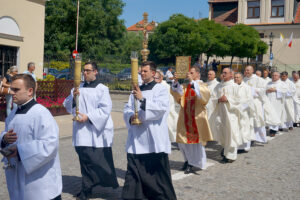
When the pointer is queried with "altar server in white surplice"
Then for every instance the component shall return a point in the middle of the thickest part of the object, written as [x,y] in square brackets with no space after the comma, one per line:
[211,84]
[247,115]
[93,133]
[289,102]
[257,85]
[225,118]
[276,91]
[148,173]
[33,170]
[296,81]
[173,115]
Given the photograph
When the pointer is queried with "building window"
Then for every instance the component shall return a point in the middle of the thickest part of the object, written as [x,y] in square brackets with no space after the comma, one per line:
[253,9]
[277,8]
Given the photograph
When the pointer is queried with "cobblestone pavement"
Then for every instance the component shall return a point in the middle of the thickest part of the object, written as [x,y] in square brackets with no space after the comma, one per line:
[269,171]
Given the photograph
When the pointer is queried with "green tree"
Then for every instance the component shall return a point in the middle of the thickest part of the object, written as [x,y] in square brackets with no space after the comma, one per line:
[242,41]
[131,42]
[100,30]
[213,36]
[170,39]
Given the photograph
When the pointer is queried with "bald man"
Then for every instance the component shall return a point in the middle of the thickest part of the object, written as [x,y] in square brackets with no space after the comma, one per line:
[225,118]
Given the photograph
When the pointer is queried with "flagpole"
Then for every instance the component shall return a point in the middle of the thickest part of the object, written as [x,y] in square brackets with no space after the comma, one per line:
[77,24]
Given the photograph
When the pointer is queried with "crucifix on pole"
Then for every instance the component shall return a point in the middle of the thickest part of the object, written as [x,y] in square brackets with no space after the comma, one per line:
[145,52]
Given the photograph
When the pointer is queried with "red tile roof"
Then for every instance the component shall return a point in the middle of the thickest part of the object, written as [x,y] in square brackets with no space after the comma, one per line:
[134,27]
[297,16]
[229,18]
[221,1]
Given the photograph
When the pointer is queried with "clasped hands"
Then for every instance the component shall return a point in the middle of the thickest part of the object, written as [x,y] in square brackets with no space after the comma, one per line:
[10,137]
[271,90]
[223,99]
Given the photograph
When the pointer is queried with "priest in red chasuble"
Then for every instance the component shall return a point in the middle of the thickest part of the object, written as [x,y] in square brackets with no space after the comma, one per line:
[193,130]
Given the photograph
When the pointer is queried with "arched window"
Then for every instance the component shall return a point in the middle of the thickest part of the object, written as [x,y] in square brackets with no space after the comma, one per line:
[277,8]
[9,26]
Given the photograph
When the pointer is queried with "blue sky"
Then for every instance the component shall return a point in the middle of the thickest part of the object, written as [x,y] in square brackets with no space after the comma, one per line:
[161,10]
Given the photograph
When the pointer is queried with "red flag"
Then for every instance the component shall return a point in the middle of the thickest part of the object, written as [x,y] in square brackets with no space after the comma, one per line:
[290,40]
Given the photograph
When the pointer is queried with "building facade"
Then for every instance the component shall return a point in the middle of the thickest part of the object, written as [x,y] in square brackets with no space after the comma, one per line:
[279,17]
[22,34]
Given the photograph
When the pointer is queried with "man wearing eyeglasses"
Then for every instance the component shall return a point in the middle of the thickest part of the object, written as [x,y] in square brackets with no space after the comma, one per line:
[93,132]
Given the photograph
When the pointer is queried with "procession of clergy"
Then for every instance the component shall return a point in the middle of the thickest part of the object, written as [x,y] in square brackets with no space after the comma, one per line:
[236,112]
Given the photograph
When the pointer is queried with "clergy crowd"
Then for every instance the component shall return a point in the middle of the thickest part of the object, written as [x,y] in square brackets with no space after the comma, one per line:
[238,110]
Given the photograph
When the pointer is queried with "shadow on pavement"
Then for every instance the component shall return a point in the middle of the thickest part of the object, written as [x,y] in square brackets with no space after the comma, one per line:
[120,173]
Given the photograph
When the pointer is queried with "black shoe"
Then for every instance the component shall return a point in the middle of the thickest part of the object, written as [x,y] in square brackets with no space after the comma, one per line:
[281,129]
[291,128]
[222,153]
[189,169]
[185,165]
[226,160]
[81,196]
[252,144]
[242,151]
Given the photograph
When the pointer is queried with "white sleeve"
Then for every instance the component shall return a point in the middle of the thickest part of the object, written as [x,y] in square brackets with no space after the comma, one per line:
[157,107]
[100,115]
[68,103]
[197,89]
[176,87]
[43,148]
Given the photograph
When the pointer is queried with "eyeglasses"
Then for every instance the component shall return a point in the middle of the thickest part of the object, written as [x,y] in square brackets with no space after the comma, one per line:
[156,78]
[88,70]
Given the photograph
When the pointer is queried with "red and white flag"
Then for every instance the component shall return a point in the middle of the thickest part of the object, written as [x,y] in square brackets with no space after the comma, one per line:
[290,41]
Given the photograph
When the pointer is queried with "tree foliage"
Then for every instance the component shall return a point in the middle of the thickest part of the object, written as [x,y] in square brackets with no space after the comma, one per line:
[181,36]
[170,39]
[100,30]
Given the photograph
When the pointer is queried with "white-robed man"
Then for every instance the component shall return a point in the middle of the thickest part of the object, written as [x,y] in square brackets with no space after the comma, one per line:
[31,133]
[266,76]
[288,101]
[148,173]
[173,115]
[257,85]
[193,130]
[276,91]
[93,132]
[225,118]
[247,115]
[211,84]
[296,81]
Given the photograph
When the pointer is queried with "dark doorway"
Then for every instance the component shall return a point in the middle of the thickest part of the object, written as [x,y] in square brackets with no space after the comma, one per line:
[8,58]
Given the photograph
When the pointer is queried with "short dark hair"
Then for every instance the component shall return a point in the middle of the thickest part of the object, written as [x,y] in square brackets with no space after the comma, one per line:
[197,69]
[285,73]
[94,65]
[30,64]
[151,64]
[28,80]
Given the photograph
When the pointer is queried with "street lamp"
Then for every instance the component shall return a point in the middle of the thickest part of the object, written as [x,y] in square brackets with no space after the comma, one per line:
[271,37]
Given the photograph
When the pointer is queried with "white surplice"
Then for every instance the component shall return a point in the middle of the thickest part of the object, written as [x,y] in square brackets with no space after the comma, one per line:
[297,101]
[152,135]
[277,101]
[96,104]
[257,85]
[289,103]
[246,119]
[210,106]
[225,118]
[173,115]
[37,175]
